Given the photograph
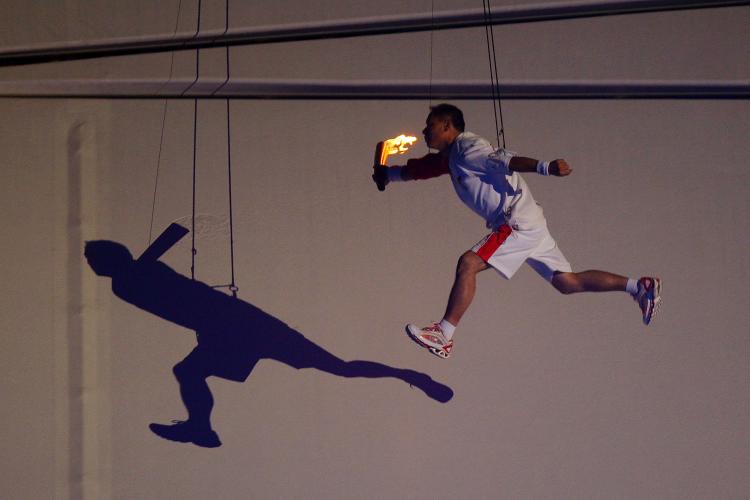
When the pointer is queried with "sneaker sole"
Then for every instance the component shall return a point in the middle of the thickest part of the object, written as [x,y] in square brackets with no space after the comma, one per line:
[437,352]
[655,302]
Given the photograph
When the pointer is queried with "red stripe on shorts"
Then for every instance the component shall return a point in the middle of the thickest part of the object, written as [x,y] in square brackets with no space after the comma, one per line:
[494,241]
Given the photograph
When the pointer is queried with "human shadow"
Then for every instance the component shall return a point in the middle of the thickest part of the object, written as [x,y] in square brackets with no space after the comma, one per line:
[232,336]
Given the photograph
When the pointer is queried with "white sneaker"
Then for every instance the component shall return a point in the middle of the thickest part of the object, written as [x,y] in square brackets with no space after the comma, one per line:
[648,297]
[431,338]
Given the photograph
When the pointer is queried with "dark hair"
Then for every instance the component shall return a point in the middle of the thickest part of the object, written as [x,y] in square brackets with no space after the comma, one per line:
[450,112]
[108,258]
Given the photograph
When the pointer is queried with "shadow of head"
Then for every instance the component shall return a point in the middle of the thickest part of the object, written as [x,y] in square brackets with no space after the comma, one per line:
[108,258]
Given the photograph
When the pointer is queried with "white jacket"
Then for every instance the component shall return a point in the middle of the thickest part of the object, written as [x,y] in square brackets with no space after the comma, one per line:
[484,182]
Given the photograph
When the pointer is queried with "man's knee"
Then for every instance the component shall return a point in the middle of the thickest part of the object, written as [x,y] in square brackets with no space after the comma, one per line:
[181,370]
[190,368]
[470,263]
[566,283]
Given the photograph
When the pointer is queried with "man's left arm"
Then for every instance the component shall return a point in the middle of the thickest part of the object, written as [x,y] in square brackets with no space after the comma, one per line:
[559,167]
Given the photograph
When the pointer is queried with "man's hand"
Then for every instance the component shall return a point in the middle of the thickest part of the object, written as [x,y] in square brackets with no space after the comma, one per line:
[380,176]
[559,168]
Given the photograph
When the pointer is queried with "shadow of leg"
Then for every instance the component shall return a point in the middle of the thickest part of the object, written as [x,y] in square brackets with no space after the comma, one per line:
[191,374]
[314,356]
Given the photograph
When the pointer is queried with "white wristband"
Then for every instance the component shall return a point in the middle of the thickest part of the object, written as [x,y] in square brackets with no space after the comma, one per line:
[394,174]
[542,167]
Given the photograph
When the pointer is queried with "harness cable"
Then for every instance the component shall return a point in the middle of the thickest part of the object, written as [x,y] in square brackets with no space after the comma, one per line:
[232,286]
[193,250]
[494,79]
[432,32]
[161,139]
[226,30]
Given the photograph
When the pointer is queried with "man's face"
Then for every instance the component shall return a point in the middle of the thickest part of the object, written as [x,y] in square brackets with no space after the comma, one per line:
[439,133]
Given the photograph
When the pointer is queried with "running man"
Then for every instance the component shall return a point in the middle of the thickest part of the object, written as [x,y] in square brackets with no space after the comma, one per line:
[488,182]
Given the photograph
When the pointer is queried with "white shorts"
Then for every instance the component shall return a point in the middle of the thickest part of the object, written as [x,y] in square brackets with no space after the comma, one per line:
[506,249]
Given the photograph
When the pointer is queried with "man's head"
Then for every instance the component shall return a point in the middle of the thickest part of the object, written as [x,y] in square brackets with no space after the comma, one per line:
[444,123]
[108,258]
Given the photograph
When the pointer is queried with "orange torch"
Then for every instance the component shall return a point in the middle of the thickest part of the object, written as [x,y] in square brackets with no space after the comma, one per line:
[397,145]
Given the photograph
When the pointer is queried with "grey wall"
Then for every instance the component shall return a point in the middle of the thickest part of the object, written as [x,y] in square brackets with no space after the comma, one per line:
[555,397]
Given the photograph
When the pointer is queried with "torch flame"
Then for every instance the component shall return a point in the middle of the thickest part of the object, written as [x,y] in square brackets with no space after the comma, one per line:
[397,145]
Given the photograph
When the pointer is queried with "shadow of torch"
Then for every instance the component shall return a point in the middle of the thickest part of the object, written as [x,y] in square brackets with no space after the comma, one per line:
[397,145]
[164,242]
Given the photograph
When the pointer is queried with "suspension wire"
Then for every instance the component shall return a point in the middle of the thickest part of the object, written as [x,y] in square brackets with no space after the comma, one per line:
[171,61]
[193,250]
[492,75]
[497,78]
[233,286]
[226,30]
[161,139]
[432,32]
[197,51]
[156,181]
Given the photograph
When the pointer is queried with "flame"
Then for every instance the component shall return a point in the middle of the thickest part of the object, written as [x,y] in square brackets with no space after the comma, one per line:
[397,145]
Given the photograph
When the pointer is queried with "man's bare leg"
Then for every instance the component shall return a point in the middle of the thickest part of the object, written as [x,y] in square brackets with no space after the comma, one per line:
[464,286]
[589,281]
[646,291]
[437,336]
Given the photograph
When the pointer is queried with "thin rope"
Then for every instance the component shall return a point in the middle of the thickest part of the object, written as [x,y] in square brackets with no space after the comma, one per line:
[492,76]
[197,51]
[171,62]
[161,139]
[432,32]
[233,287]
[193,250]
[497,78]
[226,30]
[158,166]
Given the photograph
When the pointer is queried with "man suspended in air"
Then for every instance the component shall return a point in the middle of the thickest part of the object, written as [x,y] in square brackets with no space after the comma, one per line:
[488,182]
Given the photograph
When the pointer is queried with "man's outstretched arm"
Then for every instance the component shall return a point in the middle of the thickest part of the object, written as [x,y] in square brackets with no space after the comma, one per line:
[427,167]
[557,167]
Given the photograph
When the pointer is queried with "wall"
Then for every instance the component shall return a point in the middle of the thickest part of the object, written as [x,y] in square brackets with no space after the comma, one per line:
[554,396]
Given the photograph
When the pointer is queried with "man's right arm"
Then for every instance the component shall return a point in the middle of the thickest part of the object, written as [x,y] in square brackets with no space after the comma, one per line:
[427,167]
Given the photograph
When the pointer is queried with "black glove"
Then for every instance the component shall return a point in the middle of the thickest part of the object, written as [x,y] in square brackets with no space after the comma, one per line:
[380,176]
